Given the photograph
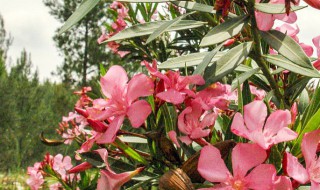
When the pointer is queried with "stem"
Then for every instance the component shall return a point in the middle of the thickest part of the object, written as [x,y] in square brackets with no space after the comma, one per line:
[257,56]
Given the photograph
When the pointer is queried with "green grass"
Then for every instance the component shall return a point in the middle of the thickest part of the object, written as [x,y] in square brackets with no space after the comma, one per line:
[13,181]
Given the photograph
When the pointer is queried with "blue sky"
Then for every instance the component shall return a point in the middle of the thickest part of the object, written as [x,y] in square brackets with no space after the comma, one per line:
[33,27]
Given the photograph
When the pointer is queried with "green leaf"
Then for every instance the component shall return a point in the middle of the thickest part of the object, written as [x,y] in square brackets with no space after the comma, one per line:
[199,7]
[225,31]
[283,62]
[295,89]
[150,27]
[130,152]
[195,6]
[189,60]
[243,77]
[313,106]
[145,1]
[85,7]
[286,46]
[207,60]
[227,63]
[313,124]
[275,8]
[166,26]
[102,70]
[129,139]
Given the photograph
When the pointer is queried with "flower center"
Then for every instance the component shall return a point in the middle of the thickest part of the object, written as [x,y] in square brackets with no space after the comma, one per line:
[238,185]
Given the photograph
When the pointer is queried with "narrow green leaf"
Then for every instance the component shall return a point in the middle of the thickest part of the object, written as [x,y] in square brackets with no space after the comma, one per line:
[166,26]
[129,139]
[240,98]
[150,27]
[130,152]
[295,89]
[225,31]
[275,8]
[199,7]
[283,62]
[207,60]
[195,6]
[227,63]
[313,124]
[313,106]
[85,7]
[145,1]
[243,77]
[102,70]
[189,60]
[286,46]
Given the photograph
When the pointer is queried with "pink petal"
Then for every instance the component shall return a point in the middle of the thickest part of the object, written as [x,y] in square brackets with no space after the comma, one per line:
[103,154]
[282,183]
[186,140]
[194,79]
[316,41]
[313,3]
[276,121]
[173,136]
[316,64]
[285,18]
[309,146]
[264,21]
[139,86]
[284,135]
[238,127]
[199,133]
[112,181]
[183,127]
[138,113]
[116,78]
[263,141]
[260,178]
[208,120]
[111,133]
[255,114]
[289,29]
[307,49]
[315,185]
[171,96]
[98,114]
[211,166]
[296,170]
[80,168]
[245,157]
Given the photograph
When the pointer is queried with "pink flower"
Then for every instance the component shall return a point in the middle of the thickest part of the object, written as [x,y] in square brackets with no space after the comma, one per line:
[245,158]
[265,21]
[194,123]
[216,95]
[35,180]
[111,180]
[61,165]
[55,186]
[252,125]
[120,8]
[176,86]
[122,100]
[316,42]
[312,170]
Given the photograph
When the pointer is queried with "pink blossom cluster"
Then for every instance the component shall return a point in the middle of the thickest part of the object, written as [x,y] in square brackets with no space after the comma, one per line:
[59,166]
[118,25]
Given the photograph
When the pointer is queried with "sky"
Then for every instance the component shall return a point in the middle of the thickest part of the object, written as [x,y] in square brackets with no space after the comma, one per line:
[32,28]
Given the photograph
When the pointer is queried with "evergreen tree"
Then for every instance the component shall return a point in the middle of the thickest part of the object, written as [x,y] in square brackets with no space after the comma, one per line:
[82,55]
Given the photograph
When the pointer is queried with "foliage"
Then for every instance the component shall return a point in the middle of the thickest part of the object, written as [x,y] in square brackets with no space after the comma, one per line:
[215,79]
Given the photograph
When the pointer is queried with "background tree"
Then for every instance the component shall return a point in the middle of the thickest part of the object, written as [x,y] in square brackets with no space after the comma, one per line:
[82,55]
